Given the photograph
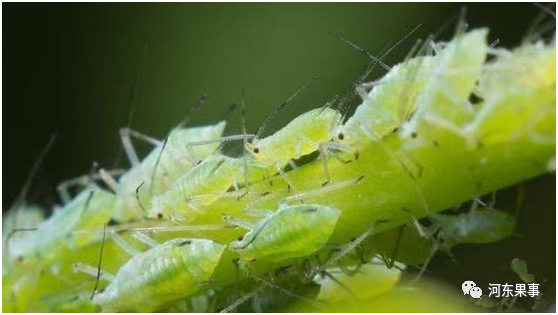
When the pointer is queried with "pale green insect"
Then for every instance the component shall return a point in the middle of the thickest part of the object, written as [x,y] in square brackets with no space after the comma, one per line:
[90,209]
[509,86]
[170,271]
[389,104]
[291,232]
[477,226]
[160,169]
[444,99]
[199,187]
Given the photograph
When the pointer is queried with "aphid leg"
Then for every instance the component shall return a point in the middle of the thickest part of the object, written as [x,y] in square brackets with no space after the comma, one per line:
[121,242]
[237,222]
[63,188]
[142,237]
[242,300]
[322,190]
[433,252]
[452,127]
[339,283]
[265,197]
[109,180]
[92,271]
[189,146]
[323,157]
[282,173]
[347,248]
[125,137]
[388,150]
[252,274]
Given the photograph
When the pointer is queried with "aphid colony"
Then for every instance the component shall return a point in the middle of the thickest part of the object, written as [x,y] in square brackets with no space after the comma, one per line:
[179,185]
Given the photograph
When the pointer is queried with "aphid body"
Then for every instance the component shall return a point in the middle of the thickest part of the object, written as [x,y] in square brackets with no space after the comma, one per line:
[157,172]
[170,271]
[199,187]
[89,210]
[390,103]
[474,227]
[300,137]
[291,232]
[444,99]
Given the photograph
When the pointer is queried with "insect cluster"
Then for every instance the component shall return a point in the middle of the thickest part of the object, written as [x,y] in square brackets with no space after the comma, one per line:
[169,233]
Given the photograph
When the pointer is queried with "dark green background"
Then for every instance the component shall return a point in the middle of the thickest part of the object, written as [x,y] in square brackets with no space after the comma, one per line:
[70,68]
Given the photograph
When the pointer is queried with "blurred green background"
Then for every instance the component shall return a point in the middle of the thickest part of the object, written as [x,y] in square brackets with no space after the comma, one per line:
[70,68]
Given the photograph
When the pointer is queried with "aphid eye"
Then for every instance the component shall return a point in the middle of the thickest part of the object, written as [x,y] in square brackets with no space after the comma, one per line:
[186,242]
[341,136]
[240,238]
[256,150]
[159,215]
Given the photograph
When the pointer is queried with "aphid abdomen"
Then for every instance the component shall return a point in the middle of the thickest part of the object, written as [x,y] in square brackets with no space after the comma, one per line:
[300,137]
[170,271]
[197,188]
[293,231]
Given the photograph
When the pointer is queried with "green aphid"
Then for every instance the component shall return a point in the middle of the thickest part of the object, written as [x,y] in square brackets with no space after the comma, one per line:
[291,232]
[89,210]
[171,271]
[511,85]
[157,172]
[389,104]
[481,226]
[196,189]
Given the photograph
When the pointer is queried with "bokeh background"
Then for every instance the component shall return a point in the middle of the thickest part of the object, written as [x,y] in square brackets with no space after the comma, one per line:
[85,70]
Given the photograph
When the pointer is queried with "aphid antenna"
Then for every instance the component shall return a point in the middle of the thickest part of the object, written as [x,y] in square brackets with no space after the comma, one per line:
[99,265]
[131,227]
[242,299]
[232,194]
[322,190]
[153,172]
[193,110]
[261,128]
[373,64]
[132,100]
[360,49]
[370,67]
[17,206]
[138,201]
[6,248]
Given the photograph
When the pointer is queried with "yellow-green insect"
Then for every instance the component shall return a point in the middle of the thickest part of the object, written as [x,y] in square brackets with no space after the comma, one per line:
[291,232]
[170,271]
[199,187]
[160,169]
[90,209]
